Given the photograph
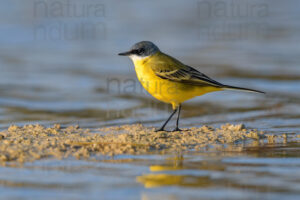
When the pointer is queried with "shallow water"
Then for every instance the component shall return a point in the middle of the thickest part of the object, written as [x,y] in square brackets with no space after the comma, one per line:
[72,75]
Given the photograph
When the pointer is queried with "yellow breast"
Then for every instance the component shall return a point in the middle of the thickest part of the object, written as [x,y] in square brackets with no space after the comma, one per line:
[163,89]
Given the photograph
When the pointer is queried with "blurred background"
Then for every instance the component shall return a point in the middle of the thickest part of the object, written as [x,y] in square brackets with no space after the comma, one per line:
[59,60]
[59,64]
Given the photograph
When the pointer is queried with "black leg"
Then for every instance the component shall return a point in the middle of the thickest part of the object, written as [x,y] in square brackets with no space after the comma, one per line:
[177,121]
[162,128]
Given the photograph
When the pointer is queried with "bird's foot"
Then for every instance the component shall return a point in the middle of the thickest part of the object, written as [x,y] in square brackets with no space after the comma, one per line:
[159,130]
[176,129]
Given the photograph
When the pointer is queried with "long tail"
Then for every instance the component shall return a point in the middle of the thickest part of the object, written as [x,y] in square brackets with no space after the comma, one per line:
[228,87]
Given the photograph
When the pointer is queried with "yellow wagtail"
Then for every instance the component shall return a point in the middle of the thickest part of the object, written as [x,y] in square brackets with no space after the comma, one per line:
[169,80]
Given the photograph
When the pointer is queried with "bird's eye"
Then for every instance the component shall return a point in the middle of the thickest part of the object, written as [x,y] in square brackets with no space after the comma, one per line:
[140,51]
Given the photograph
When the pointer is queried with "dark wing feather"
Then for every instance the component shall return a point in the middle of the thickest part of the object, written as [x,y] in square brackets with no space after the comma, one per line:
[187,75]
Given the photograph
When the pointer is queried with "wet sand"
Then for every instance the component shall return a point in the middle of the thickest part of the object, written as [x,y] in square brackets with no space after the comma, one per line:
[34,142]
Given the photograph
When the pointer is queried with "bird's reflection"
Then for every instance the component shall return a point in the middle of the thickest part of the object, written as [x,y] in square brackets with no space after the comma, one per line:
[163,175]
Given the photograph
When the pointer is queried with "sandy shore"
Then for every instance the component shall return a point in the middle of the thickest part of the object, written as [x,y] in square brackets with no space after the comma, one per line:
[34,142]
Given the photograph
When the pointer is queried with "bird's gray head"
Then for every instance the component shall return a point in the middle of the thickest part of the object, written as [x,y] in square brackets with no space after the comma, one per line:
[141,50]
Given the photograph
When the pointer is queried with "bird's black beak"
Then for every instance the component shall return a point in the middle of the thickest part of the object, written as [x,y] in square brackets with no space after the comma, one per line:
[127,53]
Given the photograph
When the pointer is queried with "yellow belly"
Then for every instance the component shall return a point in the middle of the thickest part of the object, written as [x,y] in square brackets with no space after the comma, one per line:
[165,90]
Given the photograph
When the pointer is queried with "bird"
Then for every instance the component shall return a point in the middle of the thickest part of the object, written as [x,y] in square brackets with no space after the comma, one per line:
[169,80]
